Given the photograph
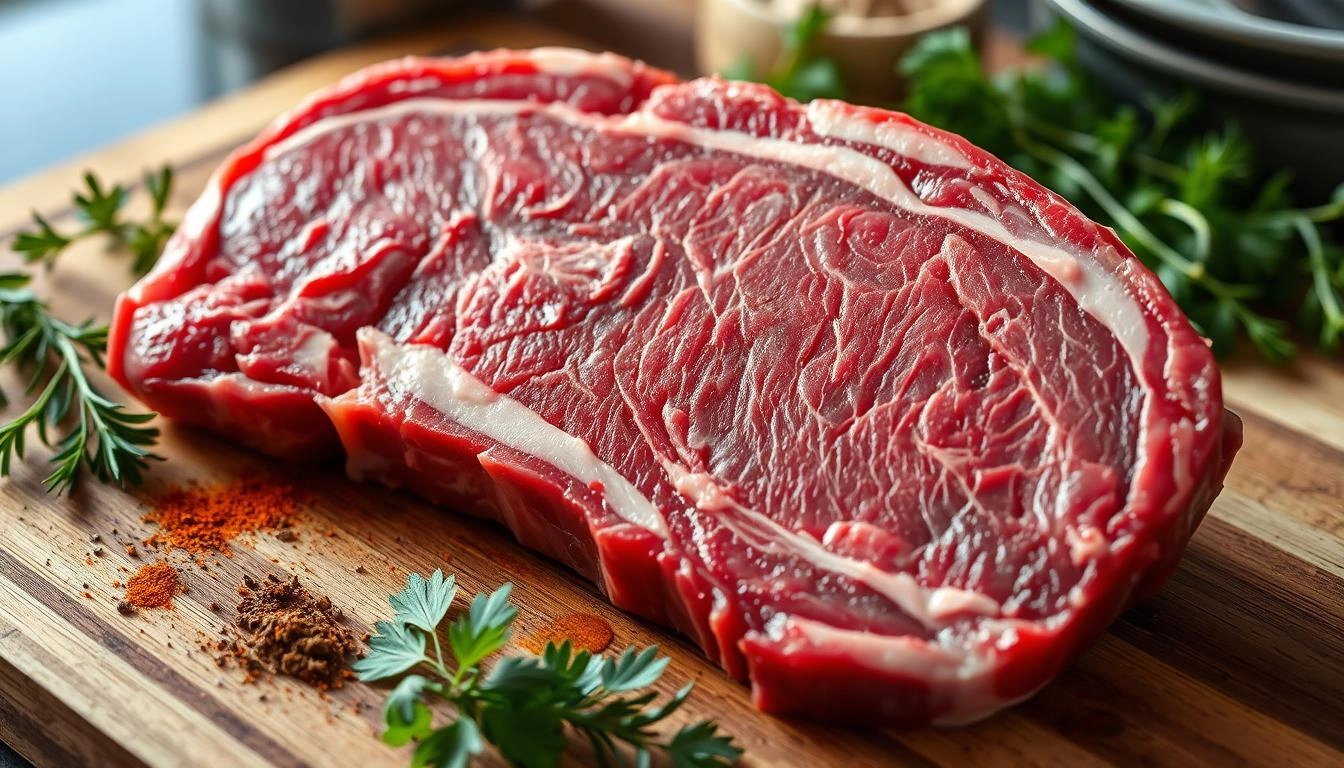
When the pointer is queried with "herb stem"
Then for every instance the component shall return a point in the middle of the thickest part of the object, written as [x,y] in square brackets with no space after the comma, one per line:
[438,653]
[1321,281]
[1128,222]
[1086,143]
[1320,214]
[1191,217]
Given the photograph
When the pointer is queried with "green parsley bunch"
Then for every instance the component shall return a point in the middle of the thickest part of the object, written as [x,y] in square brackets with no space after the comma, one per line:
[522,704]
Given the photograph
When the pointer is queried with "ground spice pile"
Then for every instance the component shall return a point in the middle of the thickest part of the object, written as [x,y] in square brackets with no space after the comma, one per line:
[201,519]
[153,586]
[584,631]
[286,630]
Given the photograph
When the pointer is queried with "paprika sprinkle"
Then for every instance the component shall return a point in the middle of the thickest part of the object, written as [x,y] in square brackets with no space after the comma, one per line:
[584,631]
[153,586]
[206,518]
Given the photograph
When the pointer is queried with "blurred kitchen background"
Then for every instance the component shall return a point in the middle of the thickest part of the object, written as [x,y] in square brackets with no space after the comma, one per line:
[81,73]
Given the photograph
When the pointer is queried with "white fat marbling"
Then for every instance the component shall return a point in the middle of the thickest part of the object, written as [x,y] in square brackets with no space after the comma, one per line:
[435,378]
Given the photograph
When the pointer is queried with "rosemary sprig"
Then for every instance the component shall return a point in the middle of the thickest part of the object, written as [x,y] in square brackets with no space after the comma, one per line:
[113,443]
[523,703]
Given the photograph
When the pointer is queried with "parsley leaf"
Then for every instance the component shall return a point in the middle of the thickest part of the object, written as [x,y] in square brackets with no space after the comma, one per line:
[394,648]
[424,602]
[484,629]
[633,670]
[523,704]
[451,746]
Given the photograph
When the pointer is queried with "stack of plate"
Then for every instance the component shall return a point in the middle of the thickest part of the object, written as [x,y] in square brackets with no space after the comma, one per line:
[1274,66]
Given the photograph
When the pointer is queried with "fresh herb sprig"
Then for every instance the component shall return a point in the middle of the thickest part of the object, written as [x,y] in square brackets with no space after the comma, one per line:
[800,72]
[100,210]
[1234,252]
[522,704]
[114,443]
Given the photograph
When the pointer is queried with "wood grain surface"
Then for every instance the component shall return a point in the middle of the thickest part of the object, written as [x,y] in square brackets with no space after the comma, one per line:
[1239,661]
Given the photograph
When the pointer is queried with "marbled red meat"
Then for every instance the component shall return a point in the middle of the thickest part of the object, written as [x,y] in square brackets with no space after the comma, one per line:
[883,425]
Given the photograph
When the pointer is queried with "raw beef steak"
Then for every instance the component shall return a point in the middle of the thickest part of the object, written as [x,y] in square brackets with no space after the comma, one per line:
[882,424]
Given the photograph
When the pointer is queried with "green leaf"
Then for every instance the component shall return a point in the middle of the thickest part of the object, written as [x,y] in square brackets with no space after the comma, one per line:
[668,707]
[1218,321]
[523,704]
[99,207]
[160,186]
[529,736]
[1144,198]
[1115,136]
[146,244]
[1168,115]
[1214,165]
[15,281]
[68,412]
[816,79]
[700,745]
[1059,42]
[484,629]
[582,670]
[799,35]
[394,648]
[742,69]
[634,669]
[799,74]
[406,715]
[1269,336]
[424,602]
[521,679]
[451,746]
[939,51]
[43,245]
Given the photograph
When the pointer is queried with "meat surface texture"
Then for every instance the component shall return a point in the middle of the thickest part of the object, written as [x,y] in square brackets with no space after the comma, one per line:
[883,425]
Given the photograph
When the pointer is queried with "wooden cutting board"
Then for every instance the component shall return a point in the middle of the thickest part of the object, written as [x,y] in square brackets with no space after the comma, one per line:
[1240,660]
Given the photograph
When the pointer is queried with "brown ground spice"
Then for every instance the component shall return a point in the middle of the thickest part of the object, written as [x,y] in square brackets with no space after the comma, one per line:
[584,631]
[153,586]
[205,518]
[284,629]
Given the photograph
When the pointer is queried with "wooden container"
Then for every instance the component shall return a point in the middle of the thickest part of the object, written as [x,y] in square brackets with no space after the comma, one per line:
[867,49]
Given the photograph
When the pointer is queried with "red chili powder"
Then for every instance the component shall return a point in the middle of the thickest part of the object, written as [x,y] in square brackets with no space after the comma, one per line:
[201,519]
[153,586]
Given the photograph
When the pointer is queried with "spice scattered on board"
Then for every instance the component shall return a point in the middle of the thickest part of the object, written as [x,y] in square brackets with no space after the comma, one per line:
[202,519]
[153,586]
[584,631]
[284,629]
